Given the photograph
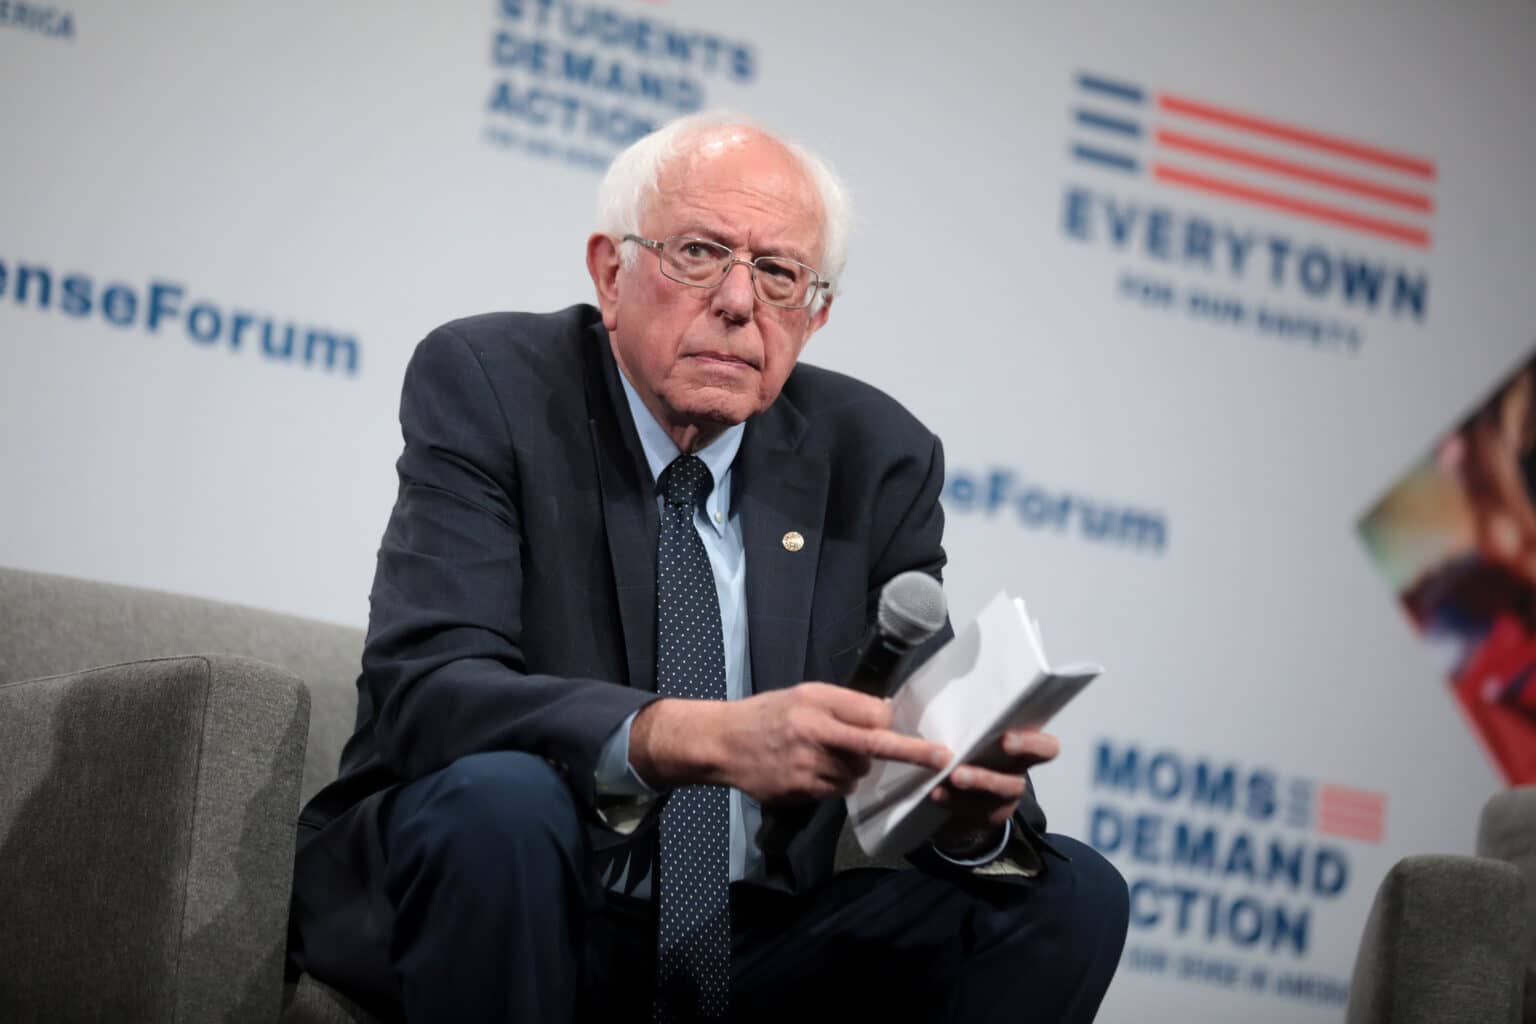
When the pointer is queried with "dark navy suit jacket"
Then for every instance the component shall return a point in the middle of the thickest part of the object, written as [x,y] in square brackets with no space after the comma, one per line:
[513,606]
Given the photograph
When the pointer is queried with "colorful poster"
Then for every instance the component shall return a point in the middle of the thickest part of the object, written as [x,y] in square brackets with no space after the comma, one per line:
[1456,538]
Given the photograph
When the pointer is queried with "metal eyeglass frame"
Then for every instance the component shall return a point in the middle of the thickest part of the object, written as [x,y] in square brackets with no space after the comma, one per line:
[731,259]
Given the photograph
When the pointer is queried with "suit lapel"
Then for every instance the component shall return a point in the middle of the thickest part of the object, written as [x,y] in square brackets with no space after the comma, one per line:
[629,508]
[781,491]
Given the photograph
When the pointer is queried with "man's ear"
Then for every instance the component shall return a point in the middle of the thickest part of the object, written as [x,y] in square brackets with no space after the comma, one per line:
[819,318]
[603,264]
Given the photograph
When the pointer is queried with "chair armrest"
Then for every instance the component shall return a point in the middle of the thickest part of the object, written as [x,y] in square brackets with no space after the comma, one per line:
[1443,945]
[1506,831]
[146,840]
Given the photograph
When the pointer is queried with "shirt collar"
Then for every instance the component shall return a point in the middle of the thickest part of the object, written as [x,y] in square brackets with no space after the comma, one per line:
[660,451]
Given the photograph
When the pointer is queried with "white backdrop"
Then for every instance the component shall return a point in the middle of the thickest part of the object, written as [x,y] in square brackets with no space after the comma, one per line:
[366,171]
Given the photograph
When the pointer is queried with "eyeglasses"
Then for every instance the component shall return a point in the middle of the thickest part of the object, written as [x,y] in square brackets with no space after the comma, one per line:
[703,264]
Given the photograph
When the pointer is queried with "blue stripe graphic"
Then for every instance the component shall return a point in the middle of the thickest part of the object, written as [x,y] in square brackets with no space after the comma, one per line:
[1090,119]
[1106,87]
[1118,161]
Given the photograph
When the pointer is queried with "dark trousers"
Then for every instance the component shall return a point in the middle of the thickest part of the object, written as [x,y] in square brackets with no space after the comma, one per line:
[497,917]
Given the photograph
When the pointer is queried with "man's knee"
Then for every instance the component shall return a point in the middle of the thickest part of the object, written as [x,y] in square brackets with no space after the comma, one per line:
[497,803]
[1099,890]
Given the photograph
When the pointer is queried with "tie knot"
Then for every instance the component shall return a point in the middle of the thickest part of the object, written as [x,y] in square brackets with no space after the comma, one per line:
[686,481]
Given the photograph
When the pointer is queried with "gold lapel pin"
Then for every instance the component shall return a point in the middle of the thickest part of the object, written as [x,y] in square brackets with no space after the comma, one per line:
[793,541]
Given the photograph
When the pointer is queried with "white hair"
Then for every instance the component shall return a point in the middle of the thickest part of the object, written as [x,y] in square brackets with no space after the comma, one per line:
[631,184]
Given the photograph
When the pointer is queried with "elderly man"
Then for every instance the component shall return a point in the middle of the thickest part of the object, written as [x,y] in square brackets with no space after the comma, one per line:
[633,550]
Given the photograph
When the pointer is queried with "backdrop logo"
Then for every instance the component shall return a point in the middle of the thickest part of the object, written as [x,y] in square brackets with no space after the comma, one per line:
[1233,862]
[578,83]
[1000,492]
[1225,161]
[47,21]
[168,307]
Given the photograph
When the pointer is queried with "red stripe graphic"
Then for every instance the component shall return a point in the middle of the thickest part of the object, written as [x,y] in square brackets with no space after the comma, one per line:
[1332,792]
[1352,813]
[1346,809]
[1352,820]
[1359,186]
[1345,818]
[1367,835]
[1334,828]
[1335,144]
[1408,233]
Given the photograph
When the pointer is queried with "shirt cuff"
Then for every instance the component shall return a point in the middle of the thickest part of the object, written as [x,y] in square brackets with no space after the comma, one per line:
[623,797]
[615,776]
[984,859]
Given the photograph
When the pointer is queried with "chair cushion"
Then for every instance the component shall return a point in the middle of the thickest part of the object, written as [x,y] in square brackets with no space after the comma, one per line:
[146,840]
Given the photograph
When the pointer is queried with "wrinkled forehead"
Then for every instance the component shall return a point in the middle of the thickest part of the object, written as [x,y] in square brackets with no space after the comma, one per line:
[742,174]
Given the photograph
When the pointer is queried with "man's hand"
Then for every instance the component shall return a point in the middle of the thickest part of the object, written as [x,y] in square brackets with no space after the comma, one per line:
[807,742]
[982,799]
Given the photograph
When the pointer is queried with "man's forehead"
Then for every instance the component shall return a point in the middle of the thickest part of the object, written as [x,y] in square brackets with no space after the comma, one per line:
[727,178]
[754,161]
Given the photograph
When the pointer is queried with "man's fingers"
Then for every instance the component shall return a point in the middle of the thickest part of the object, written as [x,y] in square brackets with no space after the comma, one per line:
[973,811]
[969,778]
[975,808]
[1031,747]
[833,776]
[856,766]
[893,746]
[885,745]
[851,706]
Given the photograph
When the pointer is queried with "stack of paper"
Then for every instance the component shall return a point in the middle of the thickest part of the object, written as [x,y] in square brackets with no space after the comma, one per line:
[992,677]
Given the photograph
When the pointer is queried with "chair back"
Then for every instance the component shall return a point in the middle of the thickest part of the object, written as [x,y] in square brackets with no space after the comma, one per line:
[1507,832]
[55,624]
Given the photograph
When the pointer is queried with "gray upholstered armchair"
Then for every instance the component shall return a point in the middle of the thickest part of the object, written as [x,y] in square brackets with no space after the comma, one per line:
[147,802]
[1450,939]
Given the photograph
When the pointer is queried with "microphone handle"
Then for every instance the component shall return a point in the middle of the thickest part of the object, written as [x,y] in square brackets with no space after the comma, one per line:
[878,661]
[879,658]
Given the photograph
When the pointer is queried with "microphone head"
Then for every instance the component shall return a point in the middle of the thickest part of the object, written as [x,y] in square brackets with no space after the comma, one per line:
[912,608]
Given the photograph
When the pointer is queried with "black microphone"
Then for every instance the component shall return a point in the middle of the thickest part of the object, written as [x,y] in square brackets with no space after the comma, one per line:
[912,609]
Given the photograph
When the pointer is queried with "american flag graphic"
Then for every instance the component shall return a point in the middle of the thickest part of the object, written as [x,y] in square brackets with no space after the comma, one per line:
[1336,810]
[1351,813]
[1204,147]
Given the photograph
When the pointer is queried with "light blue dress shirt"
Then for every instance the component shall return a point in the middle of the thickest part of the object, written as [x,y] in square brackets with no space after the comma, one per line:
[720,530]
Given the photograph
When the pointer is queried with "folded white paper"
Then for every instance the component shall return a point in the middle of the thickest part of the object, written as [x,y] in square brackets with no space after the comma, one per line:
[992,677]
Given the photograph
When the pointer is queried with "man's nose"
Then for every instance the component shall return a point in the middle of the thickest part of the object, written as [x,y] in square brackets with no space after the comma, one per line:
[734,297]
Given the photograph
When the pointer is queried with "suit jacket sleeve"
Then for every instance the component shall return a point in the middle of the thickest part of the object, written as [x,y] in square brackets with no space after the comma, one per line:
[443,666]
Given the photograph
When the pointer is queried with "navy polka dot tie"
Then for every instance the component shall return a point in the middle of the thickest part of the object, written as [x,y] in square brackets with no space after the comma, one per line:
[693,935]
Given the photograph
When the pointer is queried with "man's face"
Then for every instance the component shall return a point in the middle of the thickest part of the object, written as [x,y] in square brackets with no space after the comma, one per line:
[704,359]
